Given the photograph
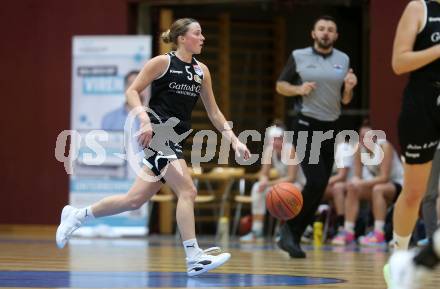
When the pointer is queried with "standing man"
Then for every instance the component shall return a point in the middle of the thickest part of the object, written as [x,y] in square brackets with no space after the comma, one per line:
[320,76]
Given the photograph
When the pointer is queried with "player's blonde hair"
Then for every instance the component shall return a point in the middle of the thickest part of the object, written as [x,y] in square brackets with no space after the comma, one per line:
[178,28]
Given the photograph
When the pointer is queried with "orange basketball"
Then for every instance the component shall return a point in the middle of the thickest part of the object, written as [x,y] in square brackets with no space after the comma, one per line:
[284,201]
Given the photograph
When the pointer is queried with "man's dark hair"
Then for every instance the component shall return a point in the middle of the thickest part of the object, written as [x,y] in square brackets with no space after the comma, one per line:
[326,18]
[366,123]
[130,73]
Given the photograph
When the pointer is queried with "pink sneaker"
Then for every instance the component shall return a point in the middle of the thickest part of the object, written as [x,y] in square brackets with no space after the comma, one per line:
[343,238]
[375,238]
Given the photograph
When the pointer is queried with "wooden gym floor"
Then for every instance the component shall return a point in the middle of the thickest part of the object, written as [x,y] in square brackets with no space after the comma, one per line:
[29,259]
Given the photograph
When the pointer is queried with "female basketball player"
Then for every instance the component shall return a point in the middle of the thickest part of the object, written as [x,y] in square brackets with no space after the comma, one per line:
[177,80]
[416,50]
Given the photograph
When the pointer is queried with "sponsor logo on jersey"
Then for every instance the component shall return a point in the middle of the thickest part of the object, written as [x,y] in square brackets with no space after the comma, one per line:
[198,70]
[311,66]
[185,89]
[197,79]
[423,146]
[435,37]
[176,71]
[337,66]
[412,155]
[413,147]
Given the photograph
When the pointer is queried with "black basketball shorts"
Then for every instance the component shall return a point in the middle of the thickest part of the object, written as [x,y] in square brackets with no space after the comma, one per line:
[419,121]
[157,160]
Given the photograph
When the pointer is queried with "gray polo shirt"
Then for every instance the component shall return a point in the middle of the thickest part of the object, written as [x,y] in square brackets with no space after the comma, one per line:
[328,71]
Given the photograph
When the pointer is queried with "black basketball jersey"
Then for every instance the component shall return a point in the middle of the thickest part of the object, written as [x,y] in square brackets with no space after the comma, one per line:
[428,37]
[175,93]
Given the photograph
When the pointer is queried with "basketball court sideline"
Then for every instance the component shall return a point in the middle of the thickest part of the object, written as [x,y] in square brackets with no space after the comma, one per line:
[30,259]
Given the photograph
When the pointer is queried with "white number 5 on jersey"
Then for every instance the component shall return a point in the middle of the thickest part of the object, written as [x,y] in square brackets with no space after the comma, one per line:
[190,76]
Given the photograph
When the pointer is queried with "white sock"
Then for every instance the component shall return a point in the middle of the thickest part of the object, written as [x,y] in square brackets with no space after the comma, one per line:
[349,226]
[191,248]
[401,243]
[378,225]
[257,227]
[85,214]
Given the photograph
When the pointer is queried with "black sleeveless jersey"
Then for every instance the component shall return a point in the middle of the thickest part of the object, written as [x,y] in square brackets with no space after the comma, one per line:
[428,37]
[175,93]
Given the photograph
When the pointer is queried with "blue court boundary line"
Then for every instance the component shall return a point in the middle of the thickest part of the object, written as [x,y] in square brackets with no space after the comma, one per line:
[135,279]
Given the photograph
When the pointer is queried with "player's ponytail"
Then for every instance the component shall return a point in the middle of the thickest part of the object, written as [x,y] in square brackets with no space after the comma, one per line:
[165,36]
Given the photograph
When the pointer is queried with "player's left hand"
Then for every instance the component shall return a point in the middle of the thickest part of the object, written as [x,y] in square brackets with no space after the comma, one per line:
[241,150]
[350,80]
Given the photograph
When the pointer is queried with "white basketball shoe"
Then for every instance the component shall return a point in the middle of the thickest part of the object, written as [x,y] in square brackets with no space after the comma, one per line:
[69,223]
[402,273]
[206,261]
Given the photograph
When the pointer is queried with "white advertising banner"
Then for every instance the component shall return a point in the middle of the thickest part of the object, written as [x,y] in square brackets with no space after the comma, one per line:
[102,68]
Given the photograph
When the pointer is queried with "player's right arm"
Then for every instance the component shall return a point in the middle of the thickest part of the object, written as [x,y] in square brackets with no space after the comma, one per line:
[405,59]
[154,68]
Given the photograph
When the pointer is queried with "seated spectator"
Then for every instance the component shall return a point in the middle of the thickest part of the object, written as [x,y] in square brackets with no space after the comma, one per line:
[337,184]
[379,184]
[277,152]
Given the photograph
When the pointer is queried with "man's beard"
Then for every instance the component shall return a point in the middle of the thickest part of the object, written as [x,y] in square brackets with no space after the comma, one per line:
[324,44]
